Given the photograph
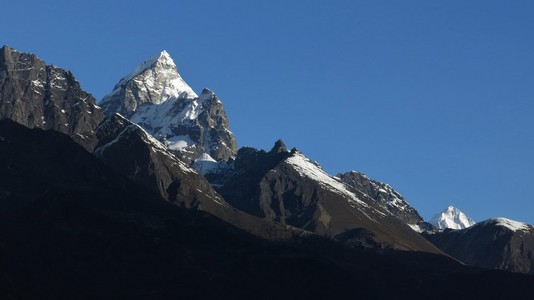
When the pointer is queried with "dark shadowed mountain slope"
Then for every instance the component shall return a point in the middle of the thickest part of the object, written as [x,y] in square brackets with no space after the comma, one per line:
[38,95]
[71,228]
[286,187]
[134,153]
[494,244]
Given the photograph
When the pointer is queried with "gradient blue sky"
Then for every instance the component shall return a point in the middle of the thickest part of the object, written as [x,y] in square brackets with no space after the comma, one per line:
[435,98]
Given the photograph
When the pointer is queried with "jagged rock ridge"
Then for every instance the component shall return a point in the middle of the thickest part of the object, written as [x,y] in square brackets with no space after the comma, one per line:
[43,96]
[385,196]
[156,97]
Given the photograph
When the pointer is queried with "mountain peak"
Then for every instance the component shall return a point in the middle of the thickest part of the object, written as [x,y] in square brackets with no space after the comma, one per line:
[451,218]
[164,54]
[162,60]
[161,70]
[279,146]
[154,81]
[156,97]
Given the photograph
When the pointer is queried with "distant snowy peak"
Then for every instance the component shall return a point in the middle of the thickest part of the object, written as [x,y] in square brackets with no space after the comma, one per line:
[155,81]
[452,218]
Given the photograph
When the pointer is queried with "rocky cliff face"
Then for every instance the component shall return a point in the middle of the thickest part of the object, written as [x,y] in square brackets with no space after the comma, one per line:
[38,95]
[494,244]
[156,97]
[384,195]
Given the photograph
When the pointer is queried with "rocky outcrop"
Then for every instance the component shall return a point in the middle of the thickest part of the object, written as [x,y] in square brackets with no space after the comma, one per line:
[37,95]
[156,97]
[212,122]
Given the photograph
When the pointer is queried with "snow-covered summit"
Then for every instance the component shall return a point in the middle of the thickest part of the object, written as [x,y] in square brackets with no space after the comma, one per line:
[451,218]
[160,74]
[155,81]
[156,97]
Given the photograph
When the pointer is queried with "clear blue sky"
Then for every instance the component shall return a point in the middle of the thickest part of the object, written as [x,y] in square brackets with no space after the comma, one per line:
[435,98]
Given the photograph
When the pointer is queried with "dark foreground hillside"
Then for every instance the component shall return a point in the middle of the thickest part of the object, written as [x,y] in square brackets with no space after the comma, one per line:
[71,228]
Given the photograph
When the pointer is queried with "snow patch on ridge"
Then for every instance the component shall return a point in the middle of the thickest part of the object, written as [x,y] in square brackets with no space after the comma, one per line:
[205,164]
[306,168]
[162,117]
[416,228]
[179,142]
[510,224]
